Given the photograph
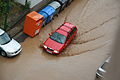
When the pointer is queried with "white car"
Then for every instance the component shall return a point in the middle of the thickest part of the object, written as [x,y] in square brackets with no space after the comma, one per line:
[8,46]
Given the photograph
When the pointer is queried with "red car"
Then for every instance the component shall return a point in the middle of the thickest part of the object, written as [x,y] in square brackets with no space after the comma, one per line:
[59,39]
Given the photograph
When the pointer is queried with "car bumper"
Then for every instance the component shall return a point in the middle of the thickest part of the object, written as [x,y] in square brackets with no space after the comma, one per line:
[100,72]
[99,75]
[14,54]
[51,52]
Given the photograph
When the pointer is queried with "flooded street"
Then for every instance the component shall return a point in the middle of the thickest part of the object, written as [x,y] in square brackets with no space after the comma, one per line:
[97,23]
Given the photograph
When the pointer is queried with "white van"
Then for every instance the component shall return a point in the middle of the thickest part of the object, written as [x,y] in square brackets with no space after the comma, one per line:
[8,46]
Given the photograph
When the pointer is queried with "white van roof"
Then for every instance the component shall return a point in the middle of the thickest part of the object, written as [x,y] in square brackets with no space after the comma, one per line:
[1,31]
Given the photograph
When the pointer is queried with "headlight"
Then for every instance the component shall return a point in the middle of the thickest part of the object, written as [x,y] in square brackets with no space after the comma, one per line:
[44,46]
[56,51]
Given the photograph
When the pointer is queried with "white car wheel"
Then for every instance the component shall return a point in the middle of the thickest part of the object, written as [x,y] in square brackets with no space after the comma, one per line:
[3,54]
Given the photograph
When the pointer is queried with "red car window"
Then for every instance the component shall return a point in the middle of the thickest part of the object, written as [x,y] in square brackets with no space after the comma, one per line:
[72,32]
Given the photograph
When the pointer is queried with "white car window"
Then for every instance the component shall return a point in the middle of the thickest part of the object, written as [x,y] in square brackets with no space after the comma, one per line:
[4,38]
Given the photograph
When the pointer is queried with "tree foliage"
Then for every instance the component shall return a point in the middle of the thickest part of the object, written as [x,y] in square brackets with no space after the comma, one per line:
[4,10]
[3,7]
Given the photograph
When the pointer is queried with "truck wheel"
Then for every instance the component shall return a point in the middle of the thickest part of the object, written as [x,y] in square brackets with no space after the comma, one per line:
[3,53]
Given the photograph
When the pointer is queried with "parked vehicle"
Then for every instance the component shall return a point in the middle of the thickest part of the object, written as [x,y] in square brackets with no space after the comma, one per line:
[102,69]
[8,46]
[60,38]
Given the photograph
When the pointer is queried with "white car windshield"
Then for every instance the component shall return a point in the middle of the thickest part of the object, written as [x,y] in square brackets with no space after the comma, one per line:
[4,38]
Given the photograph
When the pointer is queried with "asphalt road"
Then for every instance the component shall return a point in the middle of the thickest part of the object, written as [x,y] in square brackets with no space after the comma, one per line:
[97,22]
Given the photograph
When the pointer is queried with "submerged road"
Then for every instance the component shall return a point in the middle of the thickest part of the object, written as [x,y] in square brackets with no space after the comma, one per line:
[97,22]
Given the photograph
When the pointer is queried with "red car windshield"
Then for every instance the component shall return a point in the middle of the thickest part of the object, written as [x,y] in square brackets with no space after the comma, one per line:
[58,37]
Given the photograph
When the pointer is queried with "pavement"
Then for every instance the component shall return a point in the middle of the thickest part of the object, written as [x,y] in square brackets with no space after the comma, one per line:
[97,22]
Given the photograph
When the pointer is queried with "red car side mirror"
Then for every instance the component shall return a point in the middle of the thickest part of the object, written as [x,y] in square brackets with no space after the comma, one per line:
[49,34]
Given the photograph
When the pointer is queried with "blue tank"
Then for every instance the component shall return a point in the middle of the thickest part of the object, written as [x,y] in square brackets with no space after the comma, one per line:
[45,16]
[48,13]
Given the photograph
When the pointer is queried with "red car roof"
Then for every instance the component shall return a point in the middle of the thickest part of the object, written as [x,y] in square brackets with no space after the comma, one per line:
[68,25]
[67,29]
[62,32]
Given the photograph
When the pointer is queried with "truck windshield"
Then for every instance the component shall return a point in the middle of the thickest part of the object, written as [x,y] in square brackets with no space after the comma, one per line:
[58,38]
[4,38]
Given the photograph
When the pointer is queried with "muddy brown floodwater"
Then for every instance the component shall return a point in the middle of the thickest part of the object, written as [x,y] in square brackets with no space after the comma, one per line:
[97,22]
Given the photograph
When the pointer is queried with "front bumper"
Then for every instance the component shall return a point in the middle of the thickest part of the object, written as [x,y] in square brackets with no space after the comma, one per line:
[100,72]
[15,53]
[99,75]
[49,51]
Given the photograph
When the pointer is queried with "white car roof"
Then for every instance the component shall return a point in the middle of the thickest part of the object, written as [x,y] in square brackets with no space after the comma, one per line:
[1,31]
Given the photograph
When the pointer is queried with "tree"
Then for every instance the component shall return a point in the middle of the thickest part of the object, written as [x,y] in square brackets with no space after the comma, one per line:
[27,4]
[4,11]
[5,6]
